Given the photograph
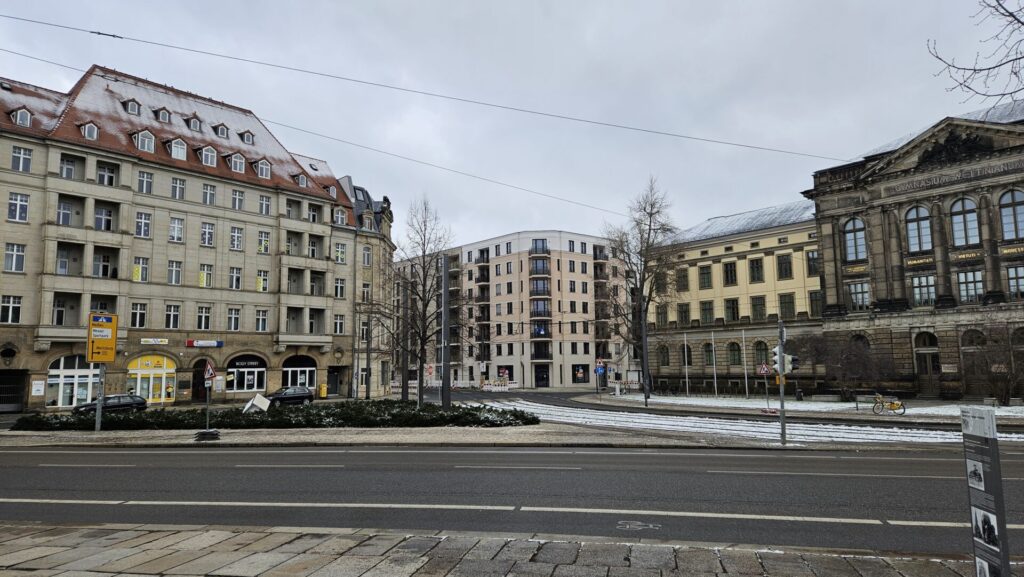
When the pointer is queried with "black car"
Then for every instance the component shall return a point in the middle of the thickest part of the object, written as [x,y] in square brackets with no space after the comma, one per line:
[114,403]
[291,396]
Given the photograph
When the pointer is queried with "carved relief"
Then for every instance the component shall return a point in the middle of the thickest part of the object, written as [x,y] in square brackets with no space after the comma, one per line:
[954,148]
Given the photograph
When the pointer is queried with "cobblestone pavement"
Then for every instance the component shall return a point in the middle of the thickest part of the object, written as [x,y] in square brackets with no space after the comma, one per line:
[182,551]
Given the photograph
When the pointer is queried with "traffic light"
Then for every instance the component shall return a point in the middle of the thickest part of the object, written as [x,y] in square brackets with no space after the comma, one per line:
[792,363]
[775,361]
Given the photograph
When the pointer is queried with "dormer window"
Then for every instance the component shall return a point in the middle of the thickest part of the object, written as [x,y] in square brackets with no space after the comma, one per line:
[301,180]
[178,149]
[368,222]
[132,107]
[209,156]
[163,116]
[263,169]
[222,131]
[144,141]
[237,163]
[247,137]
[22,117]
[194,124]
[340,216]
[90,132]
[333,191]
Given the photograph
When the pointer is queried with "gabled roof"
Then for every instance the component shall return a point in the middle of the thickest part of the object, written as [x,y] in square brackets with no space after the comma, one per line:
[1008,113]
[753,220]
[44,104]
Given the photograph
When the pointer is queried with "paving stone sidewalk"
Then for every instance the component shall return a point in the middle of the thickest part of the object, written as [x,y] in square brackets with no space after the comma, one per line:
[148,550]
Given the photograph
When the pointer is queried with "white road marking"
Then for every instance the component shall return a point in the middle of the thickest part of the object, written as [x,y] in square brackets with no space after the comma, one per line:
[518,467]
[926,523]
[82,465]
[62,501]
[290,466]
[704,514]
[268,505]
[883,476]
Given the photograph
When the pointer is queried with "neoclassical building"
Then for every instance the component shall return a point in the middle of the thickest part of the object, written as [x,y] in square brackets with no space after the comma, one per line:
[922,245]
[188,219]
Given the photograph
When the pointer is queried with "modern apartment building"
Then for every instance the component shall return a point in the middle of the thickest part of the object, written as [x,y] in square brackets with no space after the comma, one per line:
[714,317]
[923,256]
[534,310]
[188,219]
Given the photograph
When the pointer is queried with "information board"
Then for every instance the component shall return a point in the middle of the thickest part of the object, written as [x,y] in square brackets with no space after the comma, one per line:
[985,492]
[102,338]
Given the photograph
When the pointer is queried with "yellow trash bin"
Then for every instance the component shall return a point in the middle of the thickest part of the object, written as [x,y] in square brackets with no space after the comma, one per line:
[322,391]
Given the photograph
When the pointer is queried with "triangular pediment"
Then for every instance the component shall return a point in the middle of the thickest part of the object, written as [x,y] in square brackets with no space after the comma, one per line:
[951,141]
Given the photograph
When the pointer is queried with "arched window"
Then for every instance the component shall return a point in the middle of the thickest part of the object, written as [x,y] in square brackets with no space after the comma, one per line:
[919,230]
[663,356]
[74,379]
[860,341]
[735,354]
[144,140]
[760,352]
[964,214]
[709,355]
[298,371]
[1011,211]
[22,117]
[925,340]
[152,377]
[854,240]
[209,156]
[687,353]
[973,338]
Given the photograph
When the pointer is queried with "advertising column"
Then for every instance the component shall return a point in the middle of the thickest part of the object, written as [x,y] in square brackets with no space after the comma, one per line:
[985,492]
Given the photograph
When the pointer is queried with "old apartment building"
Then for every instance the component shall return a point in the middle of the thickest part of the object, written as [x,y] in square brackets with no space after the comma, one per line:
[715,315]
[922,245]
[188,219]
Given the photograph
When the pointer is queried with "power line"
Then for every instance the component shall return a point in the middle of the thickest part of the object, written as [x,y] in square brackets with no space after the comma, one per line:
[450,97]
[373,149]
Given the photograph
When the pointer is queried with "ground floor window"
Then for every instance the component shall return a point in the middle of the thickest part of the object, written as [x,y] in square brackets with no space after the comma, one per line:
[249,374]
[298,371]
[581,373]
[505,372]
[75,380]
[152,377]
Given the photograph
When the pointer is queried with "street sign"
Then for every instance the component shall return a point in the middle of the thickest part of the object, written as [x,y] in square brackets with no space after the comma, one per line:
[985,491]
[102,339]
[764,370]
[192,343]
[209,373]
[600,370]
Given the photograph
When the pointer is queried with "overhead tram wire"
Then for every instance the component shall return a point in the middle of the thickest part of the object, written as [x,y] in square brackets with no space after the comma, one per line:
[428,93]
[604,210]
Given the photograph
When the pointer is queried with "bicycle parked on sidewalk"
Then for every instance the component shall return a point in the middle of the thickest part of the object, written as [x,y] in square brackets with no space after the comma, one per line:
[890,405]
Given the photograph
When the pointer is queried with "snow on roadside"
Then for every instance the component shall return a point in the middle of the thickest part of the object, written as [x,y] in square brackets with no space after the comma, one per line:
[950,410]
[764,430]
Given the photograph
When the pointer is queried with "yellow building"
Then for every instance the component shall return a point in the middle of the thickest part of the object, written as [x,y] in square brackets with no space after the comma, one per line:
[715,315]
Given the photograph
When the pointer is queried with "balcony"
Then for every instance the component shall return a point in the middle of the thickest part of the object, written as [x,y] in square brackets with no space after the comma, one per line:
[483,336]
[540,251]
[300,340]
[540,271]
[483,277]
[540,292]
[535,334]
[483,315]
[601,294]
[482,298]
[600,255]
[540,355]
[482,259]
[302,261]
[602,314]
[64,334]
[600,275]
[540,314]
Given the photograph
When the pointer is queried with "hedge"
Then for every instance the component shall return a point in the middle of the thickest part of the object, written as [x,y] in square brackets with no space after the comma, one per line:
[366,414]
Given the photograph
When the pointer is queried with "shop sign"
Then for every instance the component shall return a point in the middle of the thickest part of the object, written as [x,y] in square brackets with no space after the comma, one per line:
[245,365]
[985,491]
[153,341]
[203,344]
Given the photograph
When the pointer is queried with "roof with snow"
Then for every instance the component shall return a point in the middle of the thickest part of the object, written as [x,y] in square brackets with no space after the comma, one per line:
[760,219]
[1008,113]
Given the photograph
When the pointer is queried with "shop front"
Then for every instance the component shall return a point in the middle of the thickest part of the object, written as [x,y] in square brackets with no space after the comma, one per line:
[152,377]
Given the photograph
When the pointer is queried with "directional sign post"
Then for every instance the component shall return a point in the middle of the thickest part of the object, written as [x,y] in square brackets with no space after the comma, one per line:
[985,491]
[101,348]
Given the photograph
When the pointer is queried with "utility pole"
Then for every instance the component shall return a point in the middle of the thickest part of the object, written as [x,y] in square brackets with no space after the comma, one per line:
[405,339]
[446,383]
[369,340]
[644,367]
[99,396]
[782,382]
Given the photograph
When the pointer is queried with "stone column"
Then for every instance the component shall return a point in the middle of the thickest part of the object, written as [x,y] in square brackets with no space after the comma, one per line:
[943,283]
[89,216]
[894,255]
[84,309]
[878,241]
[829,243]
[987,220]
[88,251]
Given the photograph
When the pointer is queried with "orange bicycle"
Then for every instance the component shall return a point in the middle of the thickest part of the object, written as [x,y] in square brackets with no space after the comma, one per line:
[888,405]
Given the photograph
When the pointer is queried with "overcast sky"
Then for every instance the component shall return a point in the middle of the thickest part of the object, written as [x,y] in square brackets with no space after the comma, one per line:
[830,78]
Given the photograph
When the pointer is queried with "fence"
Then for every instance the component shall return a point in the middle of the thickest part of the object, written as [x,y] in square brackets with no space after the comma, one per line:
[500,386]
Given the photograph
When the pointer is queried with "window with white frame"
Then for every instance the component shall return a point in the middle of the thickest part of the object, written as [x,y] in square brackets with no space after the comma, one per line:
[106,174]
[90,132]
[206,234]
[313,248]
[237,238]
[143,222]
[163,116]
[237,199]
[138,318]
[237,163]
[178,188]
[209,194]
[140,269]
[132,107]
[14,257]
[367,256]
[339,288]
[339,324]
[104,219]
[261,321]
[263,242]
[194,124]
[17,207]
[145,141]
[263,281]
[145,182]
[301,179]
[222,131]
[340,250]
[64,213]
[174,272]
[235,278]
[172,316]
[234,319]
[970,285]
[67,168]
[21,159]
[205,276]
[10,310]
[264,204]
[340,216]
[58,312]
[263,169]
[247,137]
[22,117]
[313,212]
[366,292]
[178,149]
[203,317]
[176,229]
[209,156]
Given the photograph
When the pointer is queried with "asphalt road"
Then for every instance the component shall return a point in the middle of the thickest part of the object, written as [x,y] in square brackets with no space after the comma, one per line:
[914,503]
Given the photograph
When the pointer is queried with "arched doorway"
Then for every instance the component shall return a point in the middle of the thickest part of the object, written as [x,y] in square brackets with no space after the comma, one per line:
[249,373]
[74,380]
[153,378]
[199,381]
[927,364]
[298,371]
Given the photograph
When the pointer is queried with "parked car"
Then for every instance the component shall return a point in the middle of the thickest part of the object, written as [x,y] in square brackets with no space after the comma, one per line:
[114,403]
[291,396]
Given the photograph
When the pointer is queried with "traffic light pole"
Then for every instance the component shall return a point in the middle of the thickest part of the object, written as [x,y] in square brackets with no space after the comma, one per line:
[782,382]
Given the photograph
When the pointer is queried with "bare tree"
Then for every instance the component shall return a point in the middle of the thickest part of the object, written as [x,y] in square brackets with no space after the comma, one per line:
[997,364]
[418,275]
[995,73]
[635,246]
